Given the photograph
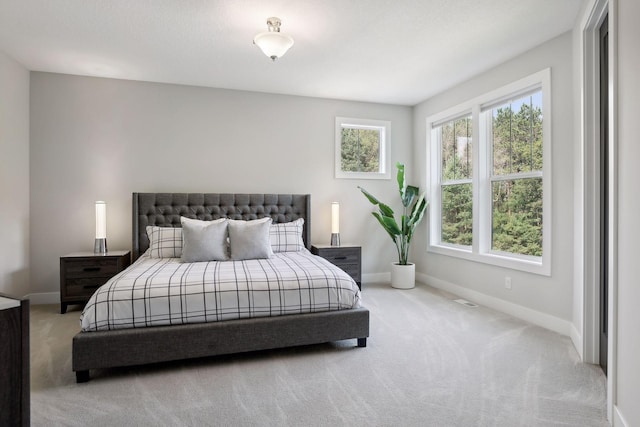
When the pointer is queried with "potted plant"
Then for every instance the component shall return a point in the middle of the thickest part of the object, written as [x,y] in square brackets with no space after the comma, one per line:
[403,272]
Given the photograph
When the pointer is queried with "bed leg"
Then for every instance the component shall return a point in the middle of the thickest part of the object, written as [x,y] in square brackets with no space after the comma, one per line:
[362,342]
[82,376]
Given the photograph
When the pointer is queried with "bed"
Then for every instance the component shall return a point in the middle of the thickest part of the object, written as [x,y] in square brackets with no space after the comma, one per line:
[107,344]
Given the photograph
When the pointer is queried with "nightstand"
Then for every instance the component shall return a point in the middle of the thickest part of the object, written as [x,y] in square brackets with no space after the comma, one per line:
[347,257]
[81,273]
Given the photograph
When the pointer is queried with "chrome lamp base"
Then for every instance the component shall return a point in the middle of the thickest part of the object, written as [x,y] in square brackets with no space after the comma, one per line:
[100,246]
[335,239]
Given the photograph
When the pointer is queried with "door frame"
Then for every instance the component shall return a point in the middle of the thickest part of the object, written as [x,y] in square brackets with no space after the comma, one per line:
[603,185]
[589,239]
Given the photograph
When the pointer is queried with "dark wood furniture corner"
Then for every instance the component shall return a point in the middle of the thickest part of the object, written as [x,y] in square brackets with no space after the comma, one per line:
[81,273]
[14,360]
[347,257]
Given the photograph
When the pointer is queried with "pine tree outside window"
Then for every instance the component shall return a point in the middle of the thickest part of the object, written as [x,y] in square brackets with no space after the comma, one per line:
[456,181]
[516,179]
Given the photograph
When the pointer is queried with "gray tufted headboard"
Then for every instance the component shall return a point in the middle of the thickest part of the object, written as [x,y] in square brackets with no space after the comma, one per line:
[165,210]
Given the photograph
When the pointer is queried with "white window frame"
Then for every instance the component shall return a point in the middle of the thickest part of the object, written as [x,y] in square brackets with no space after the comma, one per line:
[384,127]
[436,191]
[480,250]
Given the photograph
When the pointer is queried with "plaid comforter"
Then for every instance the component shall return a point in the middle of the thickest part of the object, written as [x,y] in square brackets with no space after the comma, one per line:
[154,292]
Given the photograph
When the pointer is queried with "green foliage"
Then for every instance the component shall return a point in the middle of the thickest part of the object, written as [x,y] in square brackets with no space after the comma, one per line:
[517,139]
[457,151]
[517,216]
[457,206]
[457,214]
[360,150]
[517,202]
[414,207]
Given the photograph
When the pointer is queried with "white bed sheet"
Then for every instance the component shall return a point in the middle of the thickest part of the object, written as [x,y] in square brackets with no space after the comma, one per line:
[154,292]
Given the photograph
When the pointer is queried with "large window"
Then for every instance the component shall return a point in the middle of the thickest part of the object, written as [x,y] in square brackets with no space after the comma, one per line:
[490,178]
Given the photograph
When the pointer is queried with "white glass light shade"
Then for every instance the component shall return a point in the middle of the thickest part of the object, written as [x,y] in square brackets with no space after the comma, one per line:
[101,220]
[273,44]
[335,224]
[335,217]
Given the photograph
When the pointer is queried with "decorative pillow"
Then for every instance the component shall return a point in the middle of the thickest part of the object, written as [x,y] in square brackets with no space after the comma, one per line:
[287,236]
[250,239]
[204,240]
[164,242]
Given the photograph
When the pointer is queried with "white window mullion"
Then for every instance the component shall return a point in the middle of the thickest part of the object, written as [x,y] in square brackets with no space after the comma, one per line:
[479,170]
[435,201]
[546,168]
[487,224]
[457,181]
[519,175]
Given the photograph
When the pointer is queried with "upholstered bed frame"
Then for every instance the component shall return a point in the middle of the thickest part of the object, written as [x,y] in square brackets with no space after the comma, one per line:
[138,346]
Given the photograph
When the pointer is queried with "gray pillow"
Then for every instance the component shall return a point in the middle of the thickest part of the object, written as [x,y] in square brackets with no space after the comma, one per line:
[287,236]
[204,240]
[250,239]
[164,242]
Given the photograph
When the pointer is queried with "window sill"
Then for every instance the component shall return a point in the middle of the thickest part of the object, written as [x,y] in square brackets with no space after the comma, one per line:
[363,175]
[527,264]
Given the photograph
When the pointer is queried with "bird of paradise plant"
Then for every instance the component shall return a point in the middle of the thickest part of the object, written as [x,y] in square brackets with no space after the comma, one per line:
[414,207]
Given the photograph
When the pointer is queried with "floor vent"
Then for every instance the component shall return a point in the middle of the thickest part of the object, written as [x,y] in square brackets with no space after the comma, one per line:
[465,302]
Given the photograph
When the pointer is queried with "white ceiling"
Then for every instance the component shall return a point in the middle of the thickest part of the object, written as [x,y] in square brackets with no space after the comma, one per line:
[389,51]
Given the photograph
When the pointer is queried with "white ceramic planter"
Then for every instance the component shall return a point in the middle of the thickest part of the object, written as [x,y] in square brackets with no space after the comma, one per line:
[403,276]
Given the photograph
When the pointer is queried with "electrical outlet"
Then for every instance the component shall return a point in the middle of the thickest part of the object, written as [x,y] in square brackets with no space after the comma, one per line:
[507,282]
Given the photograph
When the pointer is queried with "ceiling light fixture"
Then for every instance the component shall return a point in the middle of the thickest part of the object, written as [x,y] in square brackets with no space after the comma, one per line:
[273,43]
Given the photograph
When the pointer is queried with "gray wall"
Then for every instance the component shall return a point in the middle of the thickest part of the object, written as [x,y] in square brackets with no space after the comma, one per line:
[102,139]
[628,337]
[14,177]
[550,295]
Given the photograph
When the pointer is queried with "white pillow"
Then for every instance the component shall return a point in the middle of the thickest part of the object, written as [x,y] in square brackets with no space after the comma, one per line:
[164,242]
[250,239]
[287,236]
[204,240]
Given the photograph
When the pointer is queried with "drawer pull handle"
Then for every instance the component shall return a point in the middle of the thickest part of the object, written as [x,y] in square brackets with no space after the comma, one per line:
[340,257]
[91,269]
[91,286]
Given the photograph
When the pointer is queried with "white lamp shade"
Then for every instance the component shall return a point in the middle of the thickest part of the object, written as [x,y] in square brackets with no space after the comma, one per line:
[273,44]
[335,217]
[101,220]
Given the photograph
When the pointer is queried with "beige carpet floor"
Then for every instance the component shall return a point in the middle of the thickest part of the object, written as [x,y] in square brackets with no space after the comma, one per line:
[429,362]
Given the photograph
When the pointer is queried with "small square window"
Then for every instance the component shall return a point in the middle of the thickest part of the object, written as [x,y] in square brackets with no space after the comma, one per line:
[362,148]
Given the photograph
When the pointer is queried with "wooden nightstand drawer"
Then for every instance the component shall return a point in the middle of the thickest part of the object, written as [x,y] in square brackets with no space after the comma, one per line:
[82,273]
[84,287]
[347,257]
[342,255]
[91,268]
[352,270]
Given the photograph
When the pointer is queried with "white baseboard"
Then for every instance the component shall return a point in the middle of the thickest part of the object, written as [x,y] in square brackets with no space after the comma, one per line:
[376,278]
[576,338]
[544,320]
[618,419]
[42,298]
